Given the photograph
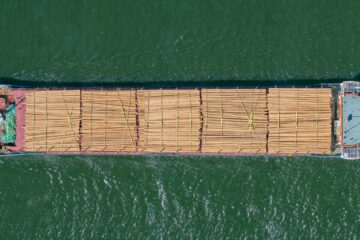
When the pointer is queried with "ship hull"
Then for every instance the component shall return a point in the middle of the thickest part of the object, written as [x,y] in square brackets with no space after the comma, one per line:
[45,126]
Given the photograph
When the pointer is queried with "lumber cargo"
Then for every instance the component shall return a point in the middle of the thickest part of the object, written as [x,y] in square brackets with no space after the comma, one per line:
[169,121]
[108,120]
[300,120]
[318,120]
[235,121]
[52,121]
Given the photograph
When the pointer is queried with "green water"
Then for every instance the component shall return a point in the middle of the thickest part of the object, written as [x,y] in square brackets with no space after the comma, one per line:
[150,42]
[168,40]
[178,197]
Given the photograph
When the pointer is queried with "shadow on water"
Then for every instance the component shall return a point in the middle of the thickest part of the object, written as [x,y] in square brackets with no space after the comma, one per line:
[174,84]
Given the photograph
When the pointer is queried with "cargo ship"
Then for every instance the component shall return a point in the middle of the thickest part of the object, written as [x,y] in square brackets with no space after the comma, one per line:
[322,120]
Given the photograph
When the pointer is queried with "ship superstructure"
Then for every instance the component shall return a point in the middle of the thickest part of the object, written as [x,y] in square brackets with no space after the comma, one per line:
[348,126]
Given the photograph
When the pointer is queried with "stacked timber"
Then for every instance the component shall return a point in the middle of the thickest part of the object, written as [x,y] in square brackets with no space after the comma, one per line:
[109,120]
[299,120]
[235,120]
[169,120]
[52,120]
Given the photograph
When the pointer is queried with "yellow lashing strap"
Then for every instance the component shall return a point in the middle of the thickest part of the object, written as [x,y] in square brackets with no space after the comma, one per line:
[251,121]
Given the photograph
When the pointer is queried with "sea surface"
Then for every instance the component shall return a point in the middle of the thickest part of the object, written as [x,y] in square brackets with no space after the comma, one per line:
[167,42]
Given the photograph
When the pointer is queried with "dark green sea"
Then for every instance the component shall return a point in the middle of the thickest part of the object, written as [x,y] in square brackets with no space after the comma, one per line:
[177,43]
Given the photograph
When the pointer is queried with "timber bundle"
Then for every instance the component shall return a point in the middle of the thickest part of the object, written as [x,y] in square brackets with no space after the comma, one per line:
[300,120]
[169,120]
[216,121]
[235,120]
[108,120]
[52,120]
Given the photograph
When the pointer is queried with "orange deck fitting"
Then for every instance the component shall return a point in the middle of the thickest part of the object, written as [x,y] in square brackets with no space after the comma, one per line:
[300,120]
[108,120]
[52,120]
[169,120]
[235,120]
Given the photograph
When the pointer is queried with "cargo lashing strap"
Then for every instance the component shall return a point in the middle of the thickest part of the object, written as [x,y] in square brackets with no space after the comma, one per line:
[147,121]
[250,116]
[69,123]
[251,121]
[126,116]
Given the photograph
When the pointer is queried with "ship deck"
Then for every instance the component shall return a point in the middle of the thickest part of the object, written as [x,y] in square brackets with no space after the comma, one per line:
[187,121]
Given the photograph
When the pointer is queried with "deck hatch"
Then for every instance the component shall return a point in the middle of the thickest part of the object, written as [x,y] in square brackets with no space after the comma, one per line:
[351,120]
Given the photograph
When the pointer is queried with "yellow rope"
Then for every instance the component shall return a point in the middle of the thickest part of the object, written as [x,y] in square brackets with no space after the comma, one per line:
[46,119]
[66,126]
[191,122]
[177,121]
[207,119]
[237,93]
[91,119]
[126,119]
[250,121]
[69,124]
[162,122]
[222,119]
[148,120]
[106,120]
[34,119]
[250,117]
[297,120]
[317,109]
[279,120]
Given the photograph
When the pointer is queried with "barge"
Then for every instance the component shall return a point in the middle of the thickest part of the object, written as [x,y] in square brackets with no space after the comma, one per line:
[322,120]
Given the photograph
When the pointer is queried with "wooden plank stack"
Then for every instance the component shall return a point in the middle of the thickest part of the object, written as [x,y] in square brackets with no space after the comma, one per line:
[299,120]
[235,120]
[52,120]
[169,120]
[109,120]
